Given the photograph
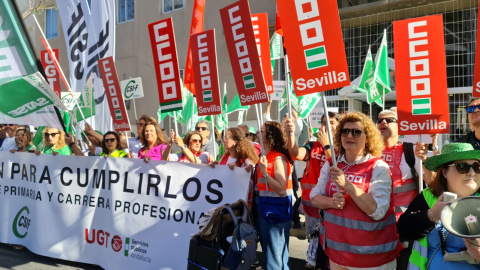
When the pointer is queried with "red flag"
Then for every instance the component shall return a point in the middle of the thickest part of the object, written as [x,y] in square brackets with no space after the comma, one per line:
[196,27]
[278,26]
[53,76]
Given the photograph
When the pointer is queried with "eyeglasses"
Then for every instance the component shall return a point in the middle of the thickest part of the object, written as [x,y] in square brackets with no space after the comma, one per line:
[20,135]
[355,132]
[471,109]
[387,119]
[463,167]
[196,140]
[201,128]
[9,125]
[110,140]
[51,134]
[140,124]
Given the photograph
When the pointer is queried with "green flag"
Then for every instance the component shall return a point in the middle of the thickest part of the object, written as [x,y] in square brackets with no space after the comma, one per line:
[235,105]
[275,49]
[293,98]
[38,138]
[367,73]
[86,104]
[382,70]
[306,103]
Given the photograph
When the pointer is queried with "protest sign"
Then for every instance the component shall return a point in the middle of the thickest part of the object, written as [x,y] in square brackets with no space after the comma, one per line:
[116,213]
[132,88]
[114,94]
[53,76]
[260,31]
[247,70]
[204,57]
[278,89]
[422,96]
[165,61]
[69,101]
[314,44]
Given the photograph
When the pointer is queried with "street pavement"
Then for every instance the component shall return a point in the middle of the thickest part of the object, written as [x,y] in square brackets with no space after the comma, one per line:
[23,259]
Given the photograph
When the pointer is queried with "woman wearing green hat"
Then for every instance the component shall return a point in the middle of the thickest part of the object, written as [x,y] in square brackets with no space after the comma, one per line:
[458,168]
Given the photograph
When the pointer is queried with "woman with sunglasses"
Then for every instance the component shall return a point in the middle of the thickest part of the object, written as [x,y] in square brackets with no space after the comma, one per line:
[154,142]
[54,141]
[191,147]
[111,146]
[359,227]
[458,171]
[23,138]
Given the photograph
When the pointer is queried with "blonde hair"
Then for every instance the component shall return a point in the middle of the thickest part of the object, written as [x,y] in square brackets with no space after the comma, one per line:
[61,139]
[373,141]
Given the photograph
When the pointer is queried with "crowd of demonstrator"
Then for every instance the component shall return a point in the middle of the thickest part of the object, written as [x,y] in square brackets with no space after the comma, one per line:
[362,211]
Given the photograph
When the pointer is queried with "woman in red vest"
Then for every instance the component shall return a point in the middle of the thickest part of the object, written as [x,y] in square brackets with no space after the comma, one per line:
[274,197]
[239,152]
[359,227]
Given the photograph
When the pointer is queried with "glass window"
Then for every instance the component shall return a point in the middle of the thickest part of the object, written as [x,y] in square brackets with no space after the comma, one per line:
[51,23]
[126,10]
[171,5]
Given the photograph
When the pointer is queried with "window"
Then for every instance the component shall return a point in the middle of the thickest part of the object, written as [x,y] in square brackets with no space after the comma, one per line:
[171,5]
[51,23]
[126,10]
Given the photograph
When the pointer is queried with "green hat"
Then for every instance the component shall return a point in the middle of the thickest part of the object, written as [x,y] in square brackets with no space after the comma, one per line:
[252,130]
[452,152]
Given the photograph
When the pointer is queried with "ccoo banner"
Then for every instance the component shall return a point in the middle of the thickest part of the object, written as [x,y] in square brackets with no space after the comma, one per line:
[116,213]
[242,49]
[315,49]
[422,95]
[114,94]
[166,65]
[205,73]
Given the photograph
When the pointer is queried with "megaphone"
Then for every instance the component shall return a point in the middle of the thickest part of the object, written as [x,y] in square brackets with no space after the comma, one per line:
[461,217]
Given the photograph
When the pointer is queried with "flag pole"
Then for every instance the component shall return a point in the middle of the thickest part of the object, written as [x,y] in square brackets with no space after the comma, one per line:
[214,137]
[287,74]
[175,122]
[329,132]
[420,173]
[259,130]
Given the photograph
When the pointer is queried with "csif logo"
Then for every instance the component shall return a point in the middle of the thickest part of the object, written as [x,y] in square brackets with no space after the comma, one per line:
[130,89]
[21,223]
[101,237]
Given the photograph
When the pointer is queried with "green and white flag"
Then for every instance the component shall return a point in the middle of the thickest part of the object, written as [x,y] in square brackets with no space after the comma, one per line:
[235,105]
[275,49]
[293,98]
[381,76]
[87,102]
[28,101]
[17,58]
[306,104]
[367,84]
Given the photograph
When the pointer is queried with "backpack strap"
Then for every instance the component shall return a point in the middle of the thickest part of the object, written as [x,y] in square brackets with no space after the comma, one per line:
[410,159]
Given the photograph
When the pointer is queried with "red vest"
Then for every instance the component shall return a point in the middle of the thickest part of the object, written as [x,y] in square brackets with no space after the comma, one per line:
[185,159]
[350,236]
[310,178]
[403,190]
[261,185]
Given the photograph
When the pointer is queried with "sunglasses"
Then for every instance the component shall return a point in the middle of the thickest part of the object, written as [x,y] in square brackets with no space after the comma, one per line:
[51,134]
[140,124]
[110,140]
[201,128]
[387,119]
[463,167]
[471,109]
[355,132]
[9,125]
[196,140]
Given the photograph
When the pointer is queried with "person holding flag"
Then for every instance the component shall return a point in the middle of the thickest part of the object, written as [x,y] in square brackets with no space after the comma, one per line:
[359,228]
[154,142]
[191,147]
[315,154]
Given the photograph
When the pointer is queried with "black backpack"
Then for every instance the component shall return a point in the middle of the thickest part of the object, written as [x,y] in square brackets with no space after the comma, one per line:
[219,253]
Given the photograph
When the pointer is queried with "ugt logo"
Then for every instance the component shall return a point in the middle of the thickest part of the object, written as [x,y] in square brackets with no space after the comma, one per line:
[311,33]
[101,237]
[21,223]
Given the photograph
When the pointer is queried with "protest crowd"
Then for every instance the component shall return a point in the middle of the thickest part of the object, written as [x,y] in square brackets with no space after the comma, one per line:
[377,220]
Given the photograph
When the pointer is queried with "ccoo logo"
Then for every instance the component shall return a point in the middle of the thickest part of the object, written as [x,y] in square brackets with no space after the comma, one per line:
[21,223]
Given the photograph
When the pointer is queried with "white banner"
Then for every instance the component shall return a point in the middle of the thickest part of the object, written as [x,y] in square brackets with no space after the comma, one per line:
[116,213]
[89,36]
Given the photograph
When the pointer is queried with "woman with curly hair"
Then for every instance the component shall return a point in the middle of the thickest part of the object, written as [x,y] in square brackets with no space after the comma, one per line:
[359,226]
[153,141]
[274,196]
[191,147]
[239,152]
[54,141]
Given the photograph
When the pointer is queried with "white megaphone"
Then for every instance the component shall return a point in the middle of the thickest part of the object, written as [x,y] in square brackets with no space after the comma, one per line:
[461,217]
